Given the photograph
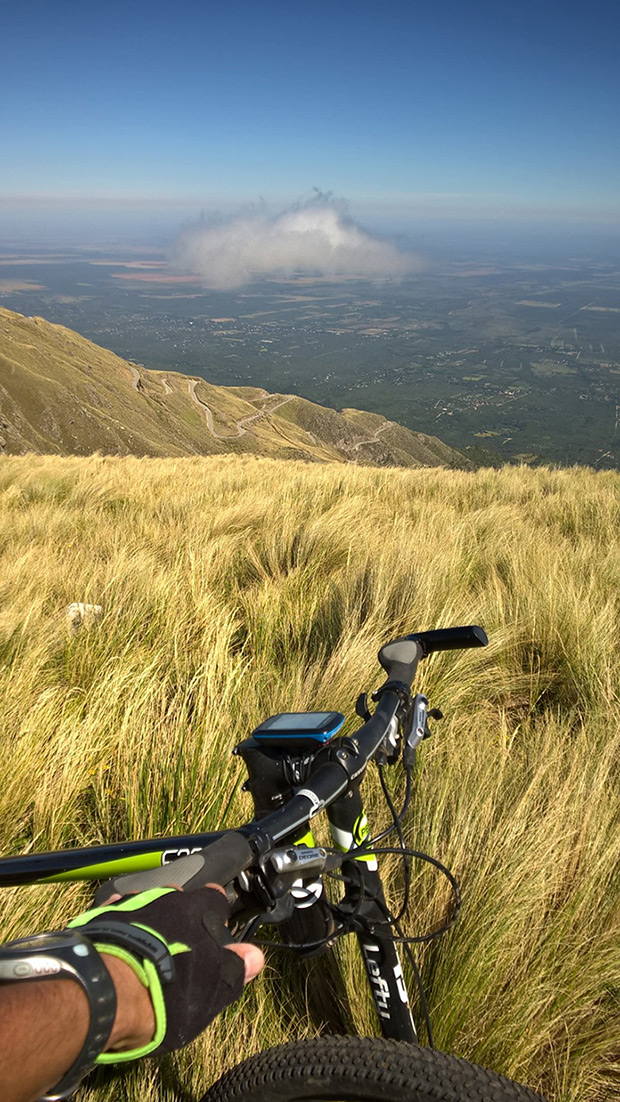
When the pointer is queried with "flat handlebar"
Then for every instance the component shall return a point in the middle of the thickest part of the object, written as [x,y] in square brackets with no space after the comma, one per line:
[234,851]
[219,863]
[224,859]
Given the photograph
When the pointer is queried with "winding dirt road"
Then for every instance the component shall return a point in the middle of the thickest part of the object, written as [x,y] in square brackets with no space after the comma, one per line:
[373,439]
[241,428]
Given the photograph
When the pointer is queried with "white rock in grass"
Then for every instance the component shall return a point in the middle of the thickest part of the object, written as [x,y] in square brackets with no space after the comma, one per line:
[81,615]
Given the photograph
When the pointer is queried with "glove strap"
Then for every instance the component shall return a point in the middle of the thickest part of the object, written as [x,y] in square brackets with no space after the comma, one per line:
[144,950]
[149,978]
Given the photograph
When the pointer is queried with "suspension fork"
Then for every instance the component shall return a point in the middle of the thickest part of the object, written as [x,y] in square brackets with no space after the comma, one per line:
[349,829]
[270,781]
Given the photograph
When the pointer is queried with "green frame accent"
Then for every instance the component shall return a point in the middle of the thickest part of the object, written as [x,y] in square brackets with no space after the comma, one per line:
[106,869]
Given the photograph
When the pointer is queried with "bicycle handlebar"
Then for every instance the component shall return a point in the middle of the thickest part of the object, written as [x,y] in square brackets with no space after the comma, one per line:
[450,638]
[233,852]
[224,859]
[330,780]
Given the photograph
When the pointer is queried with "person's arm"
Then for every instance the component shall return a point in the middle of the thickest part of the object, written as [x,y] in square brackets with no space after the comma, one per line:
[43,1028]
[43,1024]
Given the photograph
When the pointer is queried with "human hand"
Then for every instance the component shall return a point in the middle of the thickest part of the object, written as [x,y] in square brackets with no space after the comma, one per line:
[196,977]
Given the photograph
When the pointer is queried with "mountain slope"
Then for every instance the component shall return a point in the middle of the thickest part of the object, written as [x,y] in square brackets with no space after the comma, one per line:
[62,394]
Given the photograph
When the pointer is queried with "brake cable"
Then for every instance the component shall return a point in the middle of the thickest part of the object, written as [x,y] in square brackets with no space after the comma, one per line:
[433,934]
[397,820]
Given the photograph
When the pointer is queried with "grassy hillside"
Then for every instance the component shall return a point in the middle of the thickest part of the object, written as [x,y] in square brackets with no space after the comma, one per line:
[233,588]
[62,394]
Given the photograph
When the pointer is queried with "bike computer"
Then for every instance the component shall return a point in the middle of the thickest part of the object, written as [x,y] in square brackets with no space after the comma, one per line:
[298,729]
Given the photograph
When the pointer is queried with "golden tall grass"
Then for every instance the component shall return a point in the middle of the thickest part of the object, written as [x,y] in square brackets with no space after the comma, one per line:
[233,588]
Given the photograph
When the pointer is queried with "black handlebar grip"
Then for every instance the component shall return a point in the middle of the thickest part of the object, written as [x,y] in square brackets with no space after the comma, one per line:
[218,863]
[400,659]
[450,638]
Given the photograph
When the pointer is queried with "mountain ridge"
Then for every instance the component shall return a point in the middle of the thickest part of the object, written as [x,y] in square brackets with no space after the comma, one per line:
[62,394]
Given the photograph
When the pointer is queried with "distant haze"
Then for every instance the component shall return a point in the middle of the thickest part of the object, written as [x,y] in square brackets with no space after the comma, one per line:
[316,237]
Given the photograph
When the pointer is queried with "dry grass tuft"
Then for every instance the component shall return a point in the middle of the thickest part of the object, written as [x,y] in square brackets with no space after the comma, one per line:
[233,588]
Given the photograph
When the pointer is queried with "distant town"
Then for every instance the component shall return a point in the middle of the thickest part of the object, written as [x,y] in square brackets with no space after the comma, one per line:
[516,363]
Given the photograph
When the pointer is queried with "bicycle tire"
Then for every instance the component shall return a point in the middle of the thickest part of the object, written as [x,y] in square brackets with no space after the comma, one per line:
[362,1069]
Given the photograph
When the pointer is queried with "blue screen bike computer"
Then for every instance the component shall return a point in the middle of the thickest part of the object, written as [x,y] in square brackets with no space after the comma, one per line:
[298,730]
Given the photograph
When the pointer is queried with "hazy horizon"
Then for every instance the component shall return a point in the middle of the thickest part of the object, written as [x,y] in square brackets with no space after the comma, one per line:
[135,118]
[31,224]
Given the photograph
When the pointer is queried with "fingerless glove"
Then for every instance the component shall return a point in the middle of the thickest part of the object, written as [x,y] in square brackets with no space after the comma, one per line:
[175,942]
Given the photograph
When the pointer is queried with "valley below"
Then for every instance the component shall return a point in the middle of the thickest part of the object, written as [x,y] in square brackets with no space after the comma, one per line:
[512,361]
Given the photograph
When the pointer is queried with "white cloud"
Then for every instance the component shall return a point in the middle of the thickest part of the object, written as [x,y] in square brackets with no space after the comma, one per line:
[316,237]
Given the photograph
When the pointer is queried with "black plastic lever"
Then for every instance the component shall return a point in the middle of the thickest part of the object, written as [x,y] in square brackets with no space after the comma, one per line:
[459,638]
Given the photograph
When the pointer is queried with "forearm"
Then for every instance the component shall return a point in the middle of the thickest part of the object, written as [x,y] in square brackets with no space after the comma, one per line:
[44,1025]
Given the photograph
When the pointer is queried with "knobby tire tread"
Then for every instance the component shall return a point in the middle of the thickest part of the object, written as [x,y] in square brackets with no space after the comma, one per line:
[359,1069]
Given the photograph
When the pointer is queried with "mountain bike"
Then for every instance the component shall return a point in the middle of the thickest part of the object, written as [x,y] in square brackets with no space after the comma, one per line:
[276,876]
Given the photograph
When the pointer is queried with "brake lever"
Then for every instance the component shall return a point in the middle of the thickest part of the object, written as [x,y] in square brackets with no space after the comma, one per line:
[277,874]
[361,707]
[417,729]
[389,750]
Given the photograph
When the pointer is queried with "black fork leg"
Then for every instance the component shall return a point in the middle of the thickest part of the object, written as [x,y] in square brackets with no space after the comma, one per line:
[383,967]
[387,983]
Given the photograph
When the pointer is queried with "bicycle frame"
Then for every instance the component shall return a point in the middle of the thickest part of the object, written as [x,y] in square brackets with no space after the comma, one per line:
[270,776]
[288,789]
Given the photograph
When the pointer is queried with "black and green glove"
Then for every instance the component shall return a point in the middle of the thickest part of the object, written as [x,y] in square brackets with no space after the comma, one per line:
[175,943]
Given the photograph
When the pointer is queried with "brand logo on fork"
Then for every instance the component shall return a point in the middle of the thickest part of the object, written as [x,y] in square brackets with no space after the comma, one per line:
[380,986]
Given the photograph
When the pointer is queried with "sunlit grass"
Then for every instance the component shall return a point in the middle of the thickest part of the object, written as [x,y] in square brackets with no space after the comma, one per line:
[233,588]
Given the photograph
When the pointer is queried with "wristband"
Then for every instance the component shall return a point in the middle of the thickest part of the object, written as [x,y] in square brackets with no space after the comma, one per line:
[54,955]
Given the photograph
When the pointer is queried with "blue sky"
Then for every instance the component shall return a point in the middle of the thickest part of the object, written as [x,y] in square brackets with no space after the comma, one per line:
[402,107]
